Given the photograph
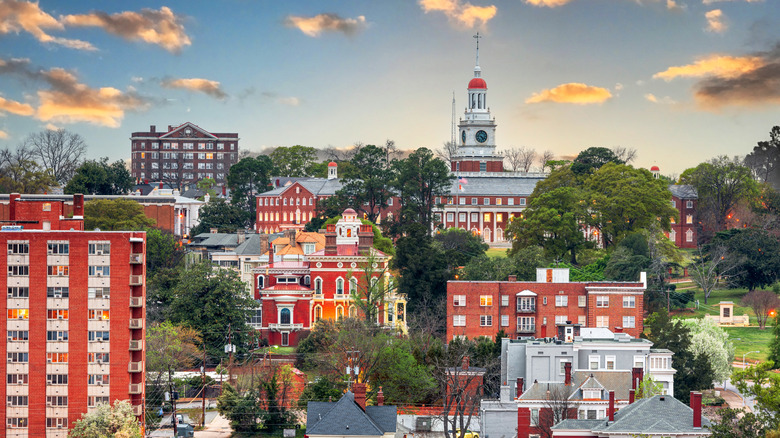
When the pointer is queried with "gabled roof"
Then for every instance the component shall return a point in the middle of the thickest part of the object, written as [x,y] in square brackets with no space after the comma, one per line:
[683,191]
[496,186]
[174,133]
[618,381]
[661,414]
[345,417]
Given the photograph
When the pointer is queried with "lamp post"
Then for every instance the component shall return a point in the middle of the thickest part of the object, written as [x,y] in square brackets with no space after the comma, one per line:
[743,357]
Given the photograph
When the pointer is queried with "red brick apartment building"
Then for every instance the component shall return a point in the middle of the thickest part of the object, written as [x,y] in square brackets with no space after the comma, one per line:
[75,317]
[534,309]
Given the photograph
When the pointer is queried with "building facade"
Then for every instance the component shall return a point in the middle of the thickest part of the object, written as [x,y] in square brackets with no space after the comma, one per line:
[536,309]
[75,318]
[182,155]
[685,227]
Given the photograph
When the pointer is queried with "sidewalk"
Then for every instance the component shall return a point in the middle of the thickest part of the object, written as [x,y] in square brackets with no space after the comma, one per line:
[733,399]
[218,428]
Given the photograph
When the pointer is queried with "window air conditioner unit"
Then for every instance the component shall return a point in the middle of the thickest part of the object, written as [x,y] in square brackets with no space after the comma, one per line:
[57,295]
[99,252]
[8,403]
[99,383]
[48,360]
[20,317]
[99,361]
[10,251]
[99,273]
[59,317]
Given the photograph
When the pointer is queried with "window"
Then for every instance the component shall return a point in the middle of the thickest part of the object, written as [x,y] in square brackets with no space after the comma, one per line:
[560,319]
[57,292]
[99,292]
[689,219]
[526,304]
[58,270]
[93,401]
[544,301]
[18,335]
[486,201]
[561,300]
[689,236]
[639,361]
[462,200]
[57,379]
[220,146]
[98,357]
[16,400]
[16,422]
[99,271]
[610,362]
[18,357]
[510,201]
[629,302]
[526,324]
[535,416]
[56,423]
[57,357]
[55,336]
[99,248]
[18,314]
[98,314]
[504,300]
[462,217]
[486,217]
[688,204]
[353,285]
[98,379]
[562,366]
[581,320]
[483,167]
[673,204]
[285,316]
[16,379]
[57,314]
[629,322]
[459,300]
[504,320]
[486,320]
[582,301]
[602,321]
[602,301]
[593,362]
[485,300]
[19,292]
[318,285]
[522,201]
[459,320]
[450,217]
[474,201]
[18,271]
[18,248]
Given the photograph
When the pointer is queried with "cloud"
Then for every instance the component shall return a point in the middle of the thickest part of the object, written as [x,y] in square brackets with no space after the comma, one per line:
[743,81]
[674,6]
[462,14]
[13,107]
[708,2]
[17,16]
[548,3]
[282,100]
[716,21]
[162,27]
[718,65]
[664,100]
[576,93]
[316,25]
[206,86]
[68,101]
[3,135]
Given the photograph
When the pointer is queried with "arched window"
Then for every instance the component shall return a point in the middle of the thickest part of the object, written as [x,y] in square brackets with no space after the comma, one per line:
[339,312]
[486,234]
[260,281]
[672,235]
[499,234]
[318,285]
[284,316]
[317,313]
[307,280]
[352,312]
[339,286]
[353,285]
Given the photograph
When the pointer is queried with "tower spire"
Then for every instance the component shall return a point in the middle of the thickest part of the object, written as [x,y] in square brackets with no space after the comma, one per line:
[476,67]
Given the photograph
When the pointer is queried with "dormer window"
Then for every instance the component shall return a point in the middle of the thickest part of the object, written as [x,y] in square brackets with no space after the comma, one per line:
[591,394]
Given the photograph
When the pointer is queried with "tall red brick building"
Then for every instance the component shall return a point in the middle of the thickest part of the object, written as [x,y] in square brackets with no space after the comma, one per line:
[75,317]
[536,309]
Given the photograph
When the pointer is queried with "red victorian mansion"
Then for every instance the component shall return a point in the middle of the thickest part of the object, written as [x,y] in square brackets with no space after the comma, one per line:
[295,294]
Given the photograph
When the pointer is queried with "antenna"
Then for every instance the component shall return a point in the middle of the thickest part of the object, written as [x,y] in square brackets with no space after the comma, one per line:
[452,133]
[477,37]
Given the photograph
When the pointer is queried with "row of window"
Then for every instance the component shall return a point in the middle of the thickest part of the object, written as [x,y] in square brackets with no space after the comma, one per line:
[55,335]
[688,204]
[57,379]
[59,292]
[528,303]
[528,322]
[688,235]
[184,145]
[462,200]
[297,217]
[24,357]
[58,248]
[186,166]
[58,270]
[92,314]
[486,217]
[187,176]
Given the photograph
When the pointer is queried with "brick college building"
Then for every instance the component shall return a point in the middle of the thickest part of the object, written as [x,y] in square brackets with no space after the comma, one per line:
[183,155]
[294,294]
[535,309]
[75,319]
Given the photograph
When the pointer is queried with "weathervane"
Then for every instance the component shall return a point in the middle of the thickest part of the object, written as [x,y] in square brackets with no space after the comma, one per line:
[477,37]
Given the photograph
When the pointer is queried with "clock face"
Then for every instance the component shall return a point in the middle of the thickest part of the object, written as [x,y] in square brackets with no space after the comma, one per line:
[188,131]
[463,136]
[481,136]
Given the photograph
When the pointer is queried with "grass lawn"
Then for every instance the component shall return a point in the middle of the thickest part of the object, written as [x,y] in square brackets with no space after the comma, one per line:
[496,252]
[750,339]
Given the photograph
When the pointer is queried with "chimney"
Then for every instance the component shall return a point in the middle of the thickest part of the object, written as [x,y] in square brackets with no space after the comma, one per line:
[631,396]
[567,373]
[637,374]
[224,190]
[465,364]
[513,278]
[146,181]
[290,235]
[78,205]
[153,128]
[240,236]
[263,243]
[270,253]
[696,406]
[380,397]
[12,205]
[359,389]
[330,239]
[519,388]
[611,406]
[170,128]
[365,238]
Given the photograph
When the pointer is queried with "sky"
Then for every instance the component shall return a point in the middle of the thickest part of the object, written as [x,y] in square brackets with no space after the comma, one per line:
[680,81]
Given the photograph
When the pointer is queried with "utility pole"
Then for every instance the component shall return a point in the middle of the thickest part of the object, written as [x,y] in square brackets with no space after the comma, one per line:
[229,348]
[203,389]
[173,403]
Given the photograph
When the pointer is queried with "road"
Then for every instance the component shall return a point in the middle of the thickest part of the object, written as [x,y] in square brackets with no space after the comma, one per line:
[213,420]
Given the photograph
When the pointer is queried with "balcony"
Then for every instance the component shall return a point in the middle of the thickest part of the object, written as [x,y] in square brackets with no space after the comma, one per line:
[136,388]
[138,410]
[136,259]
[136,302]
[136,323]
[285,327]
[135,367]
[136,345]
[526,309]
[528,329]
[136,280]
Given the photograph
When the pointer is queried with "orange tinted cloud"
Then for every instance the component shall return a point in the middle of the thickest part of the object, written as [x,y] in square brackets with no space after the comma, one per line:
[13,107]
[3,134]
[548,3]
[162,27]
[316,25]
[576,93]
[212,88]
[460,13]
[716,21]
[17,16]
[718,65]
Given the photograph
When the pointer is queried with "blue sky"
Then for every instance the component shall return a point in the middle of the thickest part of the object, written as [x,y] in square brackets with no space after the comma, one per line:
[680,81]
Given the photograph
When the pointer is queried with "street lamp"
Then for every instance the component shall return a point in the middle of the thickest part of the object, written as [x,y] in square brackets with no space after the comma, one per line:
[743,357]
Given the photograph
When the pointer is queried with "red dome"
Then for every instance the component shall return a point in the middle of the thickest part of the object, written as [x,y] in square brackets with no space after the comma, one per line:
[477,83]
[333,164]
[655,169]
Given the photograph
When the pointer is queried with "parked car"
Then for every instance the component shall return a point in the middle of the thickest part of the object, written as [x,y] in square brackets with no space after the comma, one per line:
[468,434]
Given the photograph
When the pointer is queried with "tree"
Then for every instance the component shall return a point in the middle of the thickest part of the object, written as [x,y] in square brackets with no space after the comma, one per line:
[98,177]
[762,302]
[624,154]
[293,161]
[774,343]
[760,383]
[115,215]
[116,421]
[764,161]
[25,176]
[756,254]
[447,152]
[521,159]
[59,150]
[707,268]
[246,179]
[557,406]
[721,184]
[694,372]
[631,257]
[163,251]
[522,264]
[419,180]
[370,287]
[217,302]
[591,160]
[459,245]
[710,341]
[207,185]
[403,379]
[742,423]
[367,187]
[217,213]
[243,411]
[322,389]
[649,388]
[545,158]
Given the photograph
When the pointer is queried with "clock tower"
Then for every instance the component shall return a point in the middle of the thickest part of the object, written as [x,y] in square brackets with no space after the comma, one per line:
[476,140]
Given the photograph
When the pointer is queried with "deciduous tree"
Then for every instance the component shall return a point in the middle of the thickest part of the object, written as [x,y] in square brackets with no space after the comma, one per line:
[98,177]
[293,161]
[366,188]
[246,179]
[764,160]
[591,160]
[756,254]
[217,213]
[58,150]
[762,302]
[459,245]
[710,341]
[419,180]
[116,421]
[115,215]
